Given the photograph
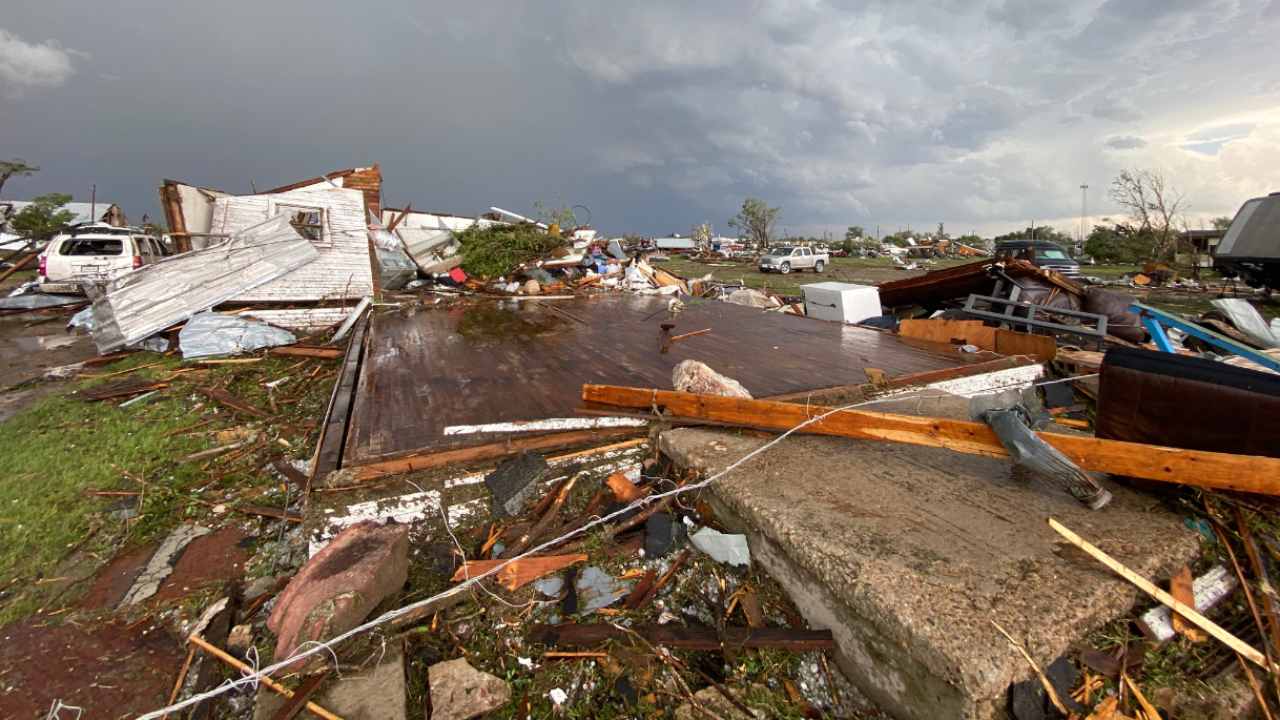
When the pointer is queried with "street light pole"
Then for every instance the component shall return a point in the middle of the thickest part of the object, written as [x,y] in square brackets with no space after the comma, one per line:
[1084,204]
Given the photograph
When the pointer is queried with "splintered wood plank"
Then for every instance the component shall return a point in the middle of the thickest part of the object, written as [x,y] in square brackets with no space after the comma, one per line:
[518,573]
[623,489]
[466,455]
[1245,473]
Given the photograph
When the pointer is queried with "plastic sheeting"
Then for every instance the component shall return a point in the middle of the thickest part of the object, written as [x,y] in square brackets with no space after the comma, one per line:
[1247,320]
[146,301]
[1028,450]
[207,334]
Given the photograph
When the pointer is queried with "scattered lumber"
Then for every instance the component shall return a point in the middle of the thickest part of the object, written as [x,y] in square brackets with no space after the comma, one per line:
[425,461]
[308,351]
[301,696]
[1187,612]
[265,680]
[974,332]
[623,489]
[18,266]
[222,397]
[518,573]
[122,388]
[268,511]
[685,638]
[1244,473]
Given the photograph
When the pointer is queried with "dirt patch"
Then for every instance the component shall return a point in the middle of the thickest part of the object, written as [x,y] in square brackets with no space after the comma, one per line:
[210,559]
[107,669]
[113,581]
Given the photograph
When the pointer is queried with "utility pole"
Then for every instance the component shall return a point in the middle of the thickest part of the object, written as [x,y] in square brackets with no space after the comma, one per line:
[93,202]
[1084,204]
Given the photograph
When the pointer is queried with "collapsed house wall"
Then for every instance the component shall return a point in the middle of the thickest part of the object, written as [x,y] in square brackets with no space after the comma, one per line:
[341,236]
[189,209]
[329,210]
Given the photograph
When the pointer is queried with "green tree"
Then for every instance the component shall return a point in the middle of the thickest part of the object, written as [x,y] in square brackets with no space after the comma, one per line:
[15,168]
[755,221]
[1120,243]
[854,233]
[1221,223]
[1043,232]
[43,218]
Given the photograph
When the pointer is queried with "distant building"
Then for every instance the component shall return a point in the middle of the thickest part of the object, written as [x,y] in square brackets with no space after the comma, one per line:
[1205,244]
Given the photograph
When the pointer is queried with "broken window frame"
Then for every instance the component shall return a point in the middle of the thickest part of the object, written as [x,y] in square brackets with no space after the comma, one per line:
[317,232]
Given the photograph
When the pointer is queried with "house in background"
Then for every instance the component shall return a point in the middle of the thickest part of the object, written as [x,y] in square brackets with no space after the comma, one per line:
[332,211]
[1204,244]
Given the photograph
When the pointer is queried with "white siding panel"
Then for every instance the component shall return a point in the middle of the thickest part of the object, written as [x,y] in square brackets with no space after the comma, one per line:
[343,269]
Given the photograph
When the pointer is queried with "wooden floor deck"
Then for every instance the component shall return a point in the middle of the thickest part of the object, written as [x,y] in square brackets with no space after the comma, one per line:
[500,361]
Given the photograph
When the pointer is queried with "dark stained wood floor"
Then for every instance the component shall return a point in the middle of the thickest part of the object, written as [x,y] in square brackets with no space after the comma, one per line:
[501,361]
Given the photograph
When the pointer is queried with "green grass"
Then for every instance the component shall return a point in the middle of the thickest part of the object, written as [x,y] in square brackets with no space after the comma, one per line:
[62,447]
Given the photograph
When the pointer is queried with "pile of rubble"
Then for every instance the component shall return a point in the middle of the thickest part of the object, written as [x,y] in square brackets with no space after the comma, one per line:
[579,484]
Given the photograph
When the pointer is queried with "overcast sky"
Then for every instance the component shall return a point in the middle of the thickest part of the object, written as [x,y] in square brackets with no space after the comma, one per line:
[655,115]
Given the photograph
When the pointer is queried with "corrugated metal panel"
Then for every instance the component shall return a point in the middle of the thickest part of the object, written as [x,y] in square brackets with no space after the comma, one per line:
[343,268]
[151,299]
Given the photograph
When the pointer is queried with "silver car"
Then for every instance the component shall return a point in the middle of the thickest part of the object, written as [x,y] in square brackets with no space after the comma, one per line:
[786,259]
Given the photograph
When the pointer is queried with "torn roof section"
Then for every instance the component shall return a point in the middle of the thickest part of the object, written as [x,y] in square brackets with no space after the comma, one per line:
[329,210]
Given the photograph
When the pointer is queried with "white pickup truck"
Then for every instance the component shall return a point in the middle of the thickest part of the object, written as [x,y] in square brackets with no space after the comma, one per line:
[786,259]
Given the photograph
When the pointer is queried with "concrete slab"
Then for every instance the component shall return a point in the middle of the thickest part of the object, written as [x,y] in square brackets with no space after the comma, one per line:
[907,553]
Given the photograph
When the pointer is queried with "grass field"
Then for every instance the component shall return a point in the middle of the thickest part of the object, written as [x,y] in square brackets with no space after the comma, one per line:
[62,448]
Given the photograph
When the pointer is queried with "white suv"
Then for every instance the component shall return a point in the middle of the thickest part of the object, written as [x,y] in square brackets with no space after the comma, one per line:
[90,254]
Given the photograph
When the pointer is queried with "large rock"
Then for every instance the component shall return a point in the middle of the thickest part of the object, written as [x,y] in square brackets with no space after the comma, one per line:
[696,377]
[341,585]
[459,691]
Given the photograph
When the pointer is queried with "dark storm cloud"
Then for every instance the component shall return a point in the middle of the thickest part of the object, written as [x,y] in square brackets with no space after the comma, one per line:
[656,115]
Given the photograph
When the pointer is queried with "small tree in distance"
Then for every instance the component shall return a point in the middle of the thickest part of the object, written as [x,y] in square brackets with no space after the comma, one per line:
[756,220]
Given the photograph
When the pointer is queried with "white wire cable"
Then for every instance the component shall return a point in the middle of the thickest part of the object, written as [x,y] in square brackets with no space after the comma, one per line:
[475,579]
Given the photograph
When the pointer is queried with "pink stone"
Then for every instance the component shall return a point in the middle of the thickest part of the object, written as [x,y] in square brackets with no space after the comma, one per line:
[338,588]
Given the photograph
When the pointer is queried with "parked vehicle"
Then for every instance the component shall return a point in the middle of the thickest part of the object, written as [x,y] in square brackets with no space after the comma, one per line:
[90,254]
[786,259]
[1042,253]
[1251,248]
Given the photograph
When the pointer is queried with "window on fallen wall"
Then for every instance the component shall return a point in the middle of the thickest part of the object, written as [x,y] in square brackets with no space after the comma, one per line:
[309,221]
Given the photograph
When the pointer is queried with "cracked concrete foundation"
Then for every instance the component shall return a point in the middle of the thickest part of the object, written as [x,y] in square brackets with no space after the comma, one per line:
[908,553]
